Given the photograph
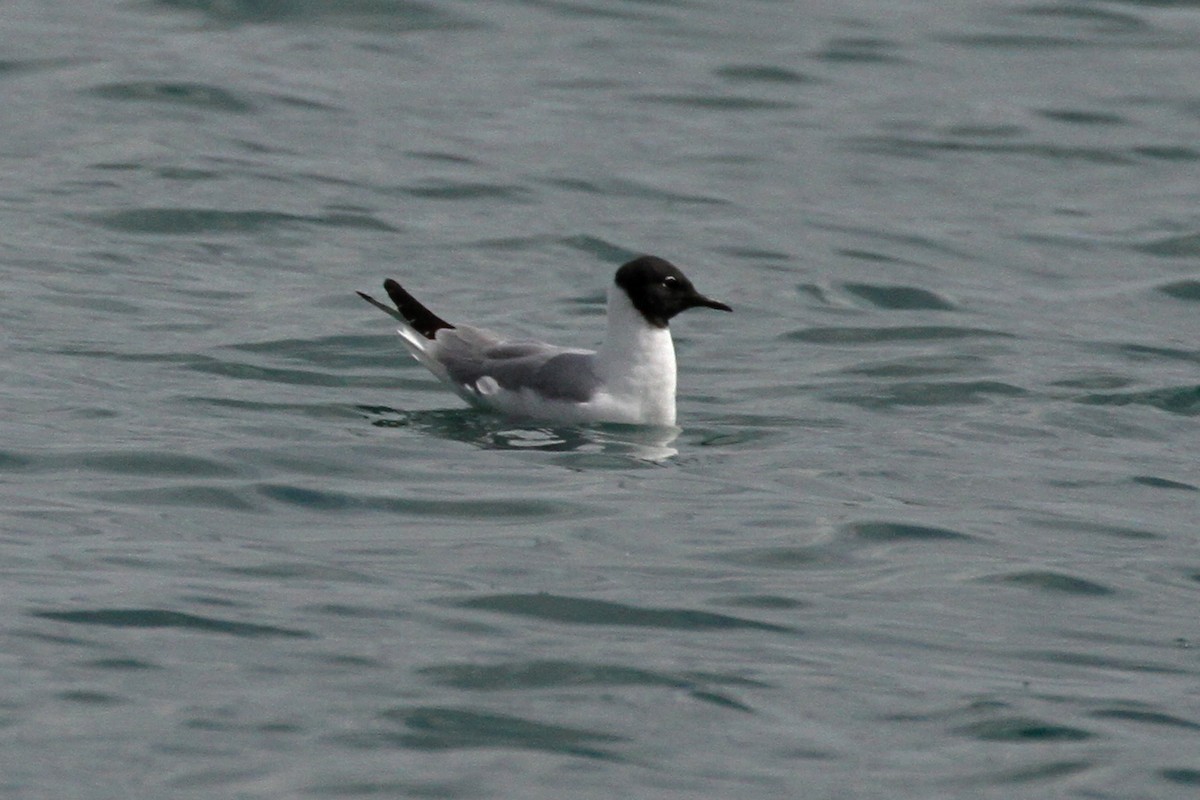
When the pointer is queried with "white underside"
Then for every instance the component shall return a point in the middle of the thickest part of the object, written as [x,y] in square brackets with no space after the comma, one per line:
[636,365]
[527,404]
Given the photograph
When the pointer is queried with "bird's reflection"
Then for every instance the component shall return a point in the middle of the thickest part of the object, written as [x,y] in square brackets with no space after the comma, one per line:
[625,442]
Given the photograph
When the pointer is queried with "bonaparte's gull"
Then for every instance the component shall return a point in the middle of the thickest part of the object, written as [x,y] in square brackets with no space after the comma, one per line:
[630,379]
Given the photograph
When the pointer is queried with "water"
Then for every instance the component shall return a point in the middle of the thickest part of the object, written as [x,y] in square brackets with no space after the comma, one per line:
[929,529]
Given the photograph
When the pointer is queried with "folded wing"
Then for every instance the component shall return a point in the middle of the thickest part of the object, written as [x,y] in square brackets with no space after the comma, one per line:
[483,364]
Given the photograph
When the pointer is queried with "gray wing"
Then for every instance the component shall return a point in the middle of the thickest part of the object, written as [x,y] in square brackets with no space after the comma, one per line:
[470,354]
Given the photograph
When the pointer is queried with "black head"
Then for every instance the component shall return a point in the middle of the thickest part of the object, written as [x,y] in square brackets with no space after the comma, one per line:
[659,290]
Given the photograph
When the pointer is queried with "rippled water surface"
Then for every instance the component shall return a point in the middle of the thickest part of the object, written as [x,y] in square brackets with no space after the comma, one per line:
[929,528]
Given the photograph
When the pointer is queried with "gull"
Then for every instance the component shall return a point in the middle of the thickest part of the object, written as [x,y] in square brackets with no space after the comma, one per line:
[630,379]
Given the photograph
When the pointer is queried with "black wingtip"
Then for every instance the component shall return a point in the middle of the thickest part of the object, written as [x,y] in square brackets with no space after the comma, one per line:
[422,320]
[391,312]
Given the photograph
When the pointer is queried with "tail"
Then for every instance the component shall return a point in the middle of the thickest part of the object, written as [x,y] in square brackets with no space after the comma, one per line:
[410,312]
[419,328]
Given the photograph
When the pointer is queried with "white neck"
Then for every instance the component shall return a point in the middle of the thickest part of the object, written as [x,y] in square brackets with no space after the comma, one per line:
[637,361]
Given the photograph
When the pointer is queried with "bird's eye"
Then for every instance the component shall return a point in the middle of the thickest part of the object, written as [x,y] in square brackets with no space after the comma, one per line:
[670,281]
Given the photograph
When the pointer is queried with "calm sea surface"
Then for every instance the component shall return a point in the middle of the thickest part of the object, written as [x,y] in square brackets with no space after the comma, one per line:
[929,529]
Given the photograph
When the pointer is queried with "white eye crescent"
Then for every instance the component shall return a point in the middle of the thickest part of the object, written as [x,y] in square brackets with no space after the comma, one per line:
[670,281]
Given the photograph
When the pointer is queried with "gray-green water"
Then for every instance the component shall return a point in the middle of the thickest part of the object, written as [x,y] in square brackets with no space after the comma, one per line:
[930,529]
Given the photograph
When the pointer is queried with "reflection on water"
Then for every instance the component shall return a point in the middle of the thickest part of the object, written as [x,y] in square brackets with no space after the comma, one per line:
[619,444]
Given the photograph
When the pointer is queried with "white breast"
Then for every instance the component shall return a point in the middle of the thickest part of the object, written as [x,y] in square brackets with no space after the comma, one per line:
[637,363]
